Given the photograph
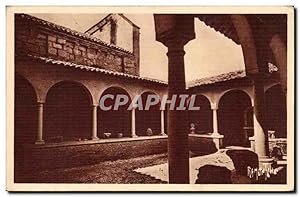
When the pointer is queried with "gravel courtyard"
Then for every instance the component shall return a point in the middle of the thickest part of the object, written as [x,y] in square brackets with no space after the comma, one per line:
[120,171]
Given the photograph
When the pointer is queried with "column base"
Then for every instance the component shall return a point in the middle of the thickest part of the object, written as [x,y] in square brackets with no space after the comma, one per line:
[134,136]
[163,134]
[265,162]
[39,142]
[95,138]
[252,143]
[218,140]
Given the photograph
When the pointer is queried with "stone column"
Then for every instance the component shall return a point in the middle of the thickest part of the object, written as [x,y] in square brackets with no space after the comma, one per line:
[39,139]
[174,31]
[94,123]
[133,131]
[215,120]
[261,138]
[162,122]
[217,138]
[178,149]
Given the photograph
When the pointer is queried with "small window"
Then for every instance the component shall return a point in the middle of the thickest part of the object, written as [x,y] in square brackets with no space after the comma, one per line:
[113,32]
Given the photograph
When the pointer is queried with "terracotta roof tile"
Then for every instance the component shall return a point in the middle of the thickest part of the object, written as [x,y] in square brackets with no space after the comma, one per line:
[93,69]
[225,77]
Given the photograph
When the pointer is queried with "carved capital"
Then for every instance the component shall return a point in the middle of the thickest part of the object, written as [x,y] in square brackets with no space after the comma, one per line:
[174,29]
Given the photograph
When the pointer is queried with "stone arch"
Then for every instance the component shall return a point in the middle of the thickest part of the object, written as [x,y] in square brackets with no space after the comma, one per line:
[279,52]
[25,119]
[244,32]
[114,121]
[268,86]
[114,85]
[202,119]
[67,112]
[235,118]
[232,89]
[148,118]
[79,83]
[276,111]
[25,123]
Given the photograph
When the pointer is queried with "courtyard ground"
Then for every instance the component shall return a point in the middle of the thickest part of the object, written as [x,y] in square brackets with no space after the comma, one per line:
[119,171]
[122,171]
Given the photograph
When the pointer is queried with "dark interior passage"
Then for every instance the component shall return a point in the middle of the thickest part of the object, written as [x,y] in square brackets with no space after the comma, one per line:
[67,113]
[25,123]
[276,117]
[148,119]
[202,119]
[114,121]
[25,112]
[235,118]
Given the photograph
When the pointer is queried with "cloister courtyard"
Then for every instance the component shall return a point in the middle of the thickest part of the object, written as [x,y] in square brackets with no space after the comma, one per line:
[237,134]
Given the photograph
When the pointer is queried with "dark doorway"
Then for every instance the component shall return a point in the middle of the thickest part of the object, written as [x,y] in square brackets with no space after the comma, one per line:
[276,117]
[25,123]
[148,119]
[201,118]
[68,115]
[114,121]
[234,107]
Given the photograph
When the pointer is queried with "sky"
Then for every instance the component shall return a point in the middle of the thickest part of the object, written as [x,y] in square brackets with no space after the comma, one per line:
[209,54]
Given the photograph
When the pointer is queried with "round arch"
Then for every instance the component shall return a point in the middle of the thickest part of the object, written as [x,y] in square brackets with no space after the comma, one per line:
[202,119]
[235,118]
[230,90]
[25,123]
[114,122]
[276,111]
[25,120]
[67,114]
[78,83]
[148,119]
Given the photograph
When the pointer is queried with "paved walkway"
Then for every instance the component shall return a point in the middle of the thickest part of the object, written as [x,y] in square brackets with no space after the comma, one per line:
[219,158]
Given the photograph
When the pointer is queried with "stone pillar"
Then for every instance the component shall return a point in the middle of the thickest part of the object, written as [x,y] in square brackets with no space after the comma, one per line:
[217,138]
[39,139]
[178,148]
[94,123]
[133,131]
[162,122]
[174,31]
[215,120]
[261,138]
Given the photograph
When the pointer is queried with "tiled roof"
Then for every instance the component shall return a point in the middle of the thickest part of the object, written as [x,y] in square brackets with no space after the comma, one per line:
[93,69]
[225,77]
[198,82]
[68,31]
[218,78]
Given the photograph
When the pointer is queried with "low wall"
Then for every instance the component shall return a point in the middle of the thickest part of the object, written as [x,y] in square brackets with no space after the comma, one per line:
[71,154]
[51,156]
[200,145]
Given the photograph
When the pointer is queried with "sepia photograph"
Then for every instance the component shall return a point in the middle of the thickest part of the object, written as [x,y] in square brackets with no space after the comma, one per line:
[150,98]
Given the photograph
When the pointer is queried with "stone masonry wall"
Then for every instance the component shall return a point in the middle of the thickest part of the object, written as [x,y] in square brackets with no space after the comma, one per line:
[39,40]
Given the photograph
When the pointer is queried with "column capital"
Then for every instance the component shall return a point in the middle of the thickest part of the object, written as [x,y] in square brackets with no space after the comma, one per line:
[134,106]
[174,28]
[214,106]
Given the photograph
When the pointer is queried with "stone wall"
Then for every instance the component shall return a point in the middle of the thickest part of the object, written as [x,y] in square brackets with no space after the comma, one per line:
[89,154]
[37,39]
